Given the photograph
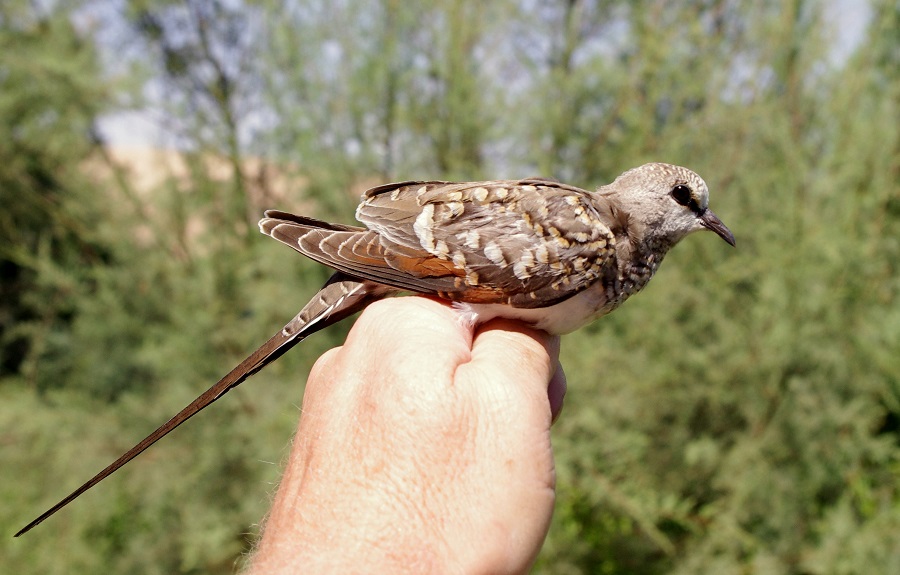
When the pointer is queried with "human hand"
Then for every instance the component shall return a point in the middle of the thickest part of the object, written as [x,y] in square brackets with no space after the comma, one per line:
[422,447]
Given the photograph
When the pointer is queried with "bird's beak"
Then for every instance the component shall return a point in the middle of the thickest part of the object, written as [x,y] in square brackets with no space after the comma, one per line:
[711,221]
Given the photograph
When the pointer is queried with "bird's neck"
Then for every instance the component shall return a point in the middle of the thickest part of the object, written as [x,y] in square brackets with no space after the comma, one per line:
[639,258]
[638,251]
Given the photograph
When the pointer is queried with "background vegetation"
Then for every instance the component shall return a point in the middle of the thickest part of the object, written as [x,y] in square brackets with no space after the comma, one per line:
[740,416]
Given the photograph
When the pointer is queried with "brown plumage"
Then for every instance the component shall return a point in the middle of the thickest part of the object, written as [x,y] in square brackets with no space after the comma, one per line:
[534,250]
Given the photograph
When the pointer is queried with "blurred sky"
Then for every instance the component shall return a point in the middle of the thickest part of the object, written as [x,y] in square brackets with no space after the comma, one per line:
[144,128]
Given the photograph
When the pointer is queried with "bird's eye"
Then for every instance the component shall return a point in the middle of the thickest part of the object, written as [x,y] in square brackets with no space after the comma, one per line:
[681,194]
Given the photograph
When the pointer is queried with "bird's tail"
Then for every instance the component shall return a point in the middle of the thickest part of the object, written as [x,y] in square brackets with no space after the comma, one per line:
[339,298]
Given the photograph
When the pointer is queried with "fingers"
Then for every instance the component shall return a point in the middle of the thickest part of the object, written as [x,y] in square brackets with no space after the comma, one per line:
[325,364]
[420,423]
[519,363]
[508,346]
[556,392]
[402,331]
[420,340]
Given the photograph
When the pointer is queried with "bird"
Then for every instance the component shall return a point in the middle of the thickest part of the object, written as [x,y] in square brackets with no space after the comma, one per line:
[536,250]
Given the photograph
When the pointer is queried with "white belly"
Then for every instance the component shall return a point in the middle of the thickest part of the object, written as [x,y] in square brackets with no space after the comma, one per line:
[564,317]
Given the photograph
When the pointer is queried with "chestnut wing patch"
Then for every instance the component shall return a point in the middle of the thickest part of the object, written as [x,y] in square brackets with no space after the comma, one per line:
[527,243]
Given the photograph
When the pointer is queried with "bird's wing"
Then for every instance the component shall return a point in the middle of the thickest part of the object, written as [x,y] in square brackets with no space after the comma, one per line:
[526,243]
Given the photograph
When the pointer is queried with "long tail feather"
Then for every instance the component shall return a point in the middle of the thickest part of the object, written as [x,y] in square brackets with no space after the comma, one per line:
[339,298]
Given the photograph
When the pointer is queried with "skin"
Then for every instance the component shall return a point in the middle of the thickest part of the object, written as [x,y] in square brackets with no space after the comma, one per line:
[423,447]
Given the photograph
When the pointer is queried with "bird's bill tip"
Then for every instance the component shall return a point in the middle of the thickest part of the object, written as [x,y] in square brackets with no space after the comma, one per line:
[711,221]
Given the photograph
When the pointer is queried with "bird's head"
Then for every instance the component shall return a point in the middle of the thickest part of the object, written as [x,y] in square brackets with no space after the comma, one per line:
[665,203]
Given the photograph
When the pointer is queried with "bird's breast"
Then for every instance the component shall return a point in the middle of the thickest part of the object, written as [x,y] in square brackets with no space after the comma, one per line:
[599,299]
[563,317]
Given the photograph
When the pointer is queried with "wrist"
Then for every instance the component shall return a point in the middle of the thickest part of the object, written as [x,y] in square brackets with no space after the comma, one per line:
[347,527]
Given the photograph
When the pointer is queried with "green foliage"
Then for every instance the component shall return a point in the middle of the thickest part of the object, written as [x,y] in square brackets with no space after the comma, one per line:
[46,102]
[739,416]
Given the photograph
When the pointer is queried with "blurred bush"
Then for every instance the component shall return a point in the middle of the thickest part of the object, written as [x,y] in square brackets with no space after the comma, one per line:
[740,416]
